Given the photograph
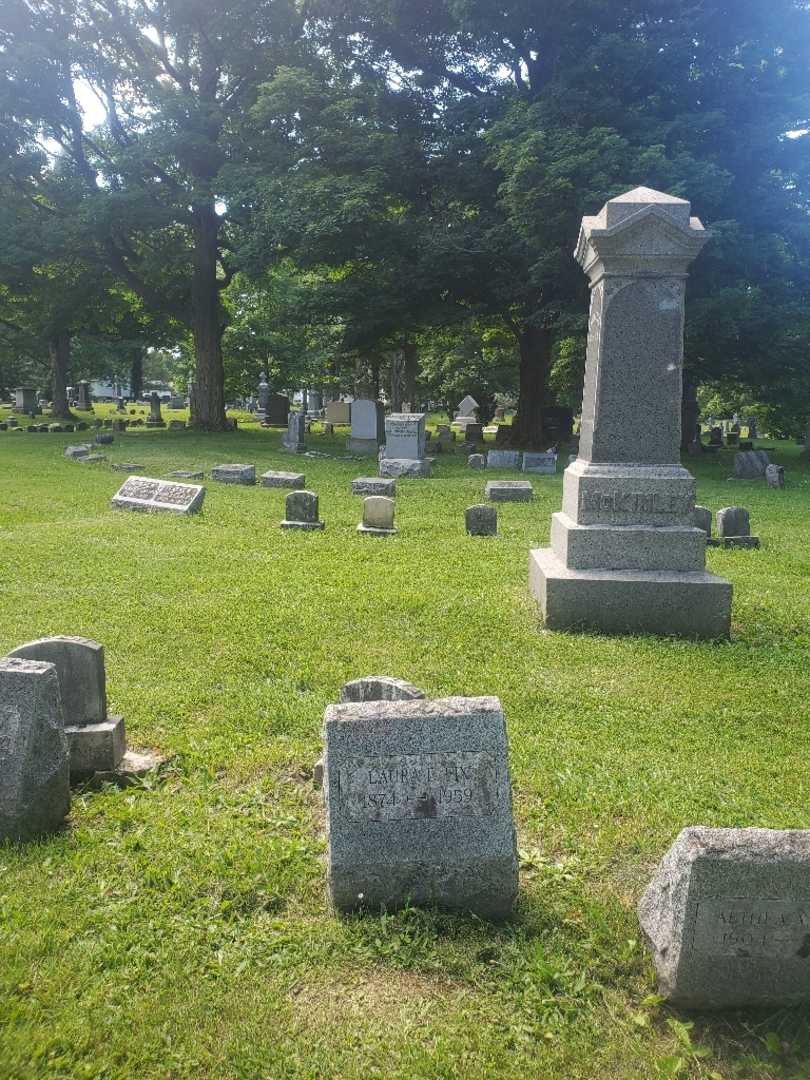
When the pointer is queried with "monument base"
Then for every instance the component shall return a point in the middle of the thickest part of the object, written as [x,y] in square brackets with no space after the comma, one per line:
[693,604]
[307,526]
[292,448]
[362,446]
[96,747]
[394,467]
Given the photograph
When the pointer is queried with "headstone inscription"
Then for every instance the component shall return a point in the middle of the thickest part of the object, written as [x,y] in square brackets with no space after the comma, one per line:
[378,516]
[155,416]
[368,427]
[775,476]
[509,491]
[96,740]
[158,496]
[404,451]
[727,916]
[293,441]
[301,511]
[419,806]
[625,554]
[238,473]
[481,520]
[34,762]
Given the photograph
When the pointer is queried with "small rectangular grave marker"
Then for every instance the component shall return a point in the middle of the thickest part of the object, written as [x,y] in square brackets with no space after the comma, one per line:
[509,491]
[234,474]
[143,493]
[275,479]
[503,459]
[545,463]
[419,806]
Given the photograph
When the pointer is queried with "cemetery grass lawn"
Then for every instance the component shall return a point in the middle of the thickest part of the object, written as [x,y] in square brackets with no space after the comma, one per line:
[180,928]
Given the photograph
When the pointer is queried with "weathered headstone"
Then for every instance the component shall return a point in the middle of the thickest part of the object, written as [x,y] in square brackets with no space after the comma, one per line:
[374,485]
[404,451]
[155,416]
[34,762]
[177,425]
[477,461]
[278,411]
[545,463]
[481,520]
[235,474]
[716,436]
[727,916]
[734,529]
[339,412]
[104,438]
[378,516]
[702,518]
[625,554]
[82,450]
[301,511]
[466,408]
[275,479]
[419,806]
[293,441]
[368,427]
[775,476]
[504,459]
[97,741]
[158,496]
[84,399]
[474,433]
[750,464]
[25,400]
[509,491]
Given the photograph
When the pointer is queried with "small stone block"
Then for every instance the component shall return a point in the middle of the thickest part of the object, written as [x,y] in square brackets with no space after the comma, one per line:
[86,459]
[379,688]
[750,542]
[275,479]
[77,451]
[128,467]
[545,463]
[481,520]
[104,439]
[727,916]
[419,806]
[187,474]
[378,516]
[234,474]
[96,747]
[509,491]
[374,485]
[395,467]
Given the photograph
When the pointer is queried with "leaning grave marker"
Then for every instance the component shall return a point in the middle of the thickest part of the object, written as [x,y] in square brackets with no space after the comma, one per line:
[727,916]
[419,806]
[156,496]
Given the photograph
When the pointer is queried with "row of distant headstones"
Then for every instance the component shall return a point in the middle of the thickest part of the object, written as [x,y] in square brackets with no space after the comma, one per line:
[419,810]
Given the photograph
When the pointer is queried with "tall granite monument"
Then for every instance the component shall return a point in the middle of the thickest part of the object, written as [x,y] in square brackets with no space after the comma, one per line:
[625,555]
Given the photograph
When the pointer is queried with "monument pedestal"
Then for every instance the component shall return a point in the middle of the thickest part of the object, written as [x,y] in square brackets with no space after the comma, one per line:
[692,604]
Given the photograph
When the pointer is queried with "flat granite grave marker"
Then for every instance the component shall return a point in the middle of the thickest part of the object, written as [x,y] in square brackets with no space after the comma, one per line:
[235,474]
[727,916]
[301,511]
[419,806]
[156,496]
[481,520]
[625,554]
[77,451]
[504,459]
[378,516]
[186,474]
[374,485]
[127,466]
[97,741]
[545,463]
[509,491]
[34,761]
[275,479]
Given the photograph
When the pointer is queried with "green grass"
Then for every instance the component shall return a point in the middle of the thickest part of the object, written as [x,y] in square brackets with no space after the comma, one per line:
[181,928]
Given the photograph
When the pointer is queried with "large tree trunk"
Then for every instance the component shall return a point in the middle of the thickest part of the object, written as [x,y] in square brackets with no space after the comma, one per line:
[136,373]
[397,364]
[410,370]
[59,351]
[689,413]
[534,348]
[206,324]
